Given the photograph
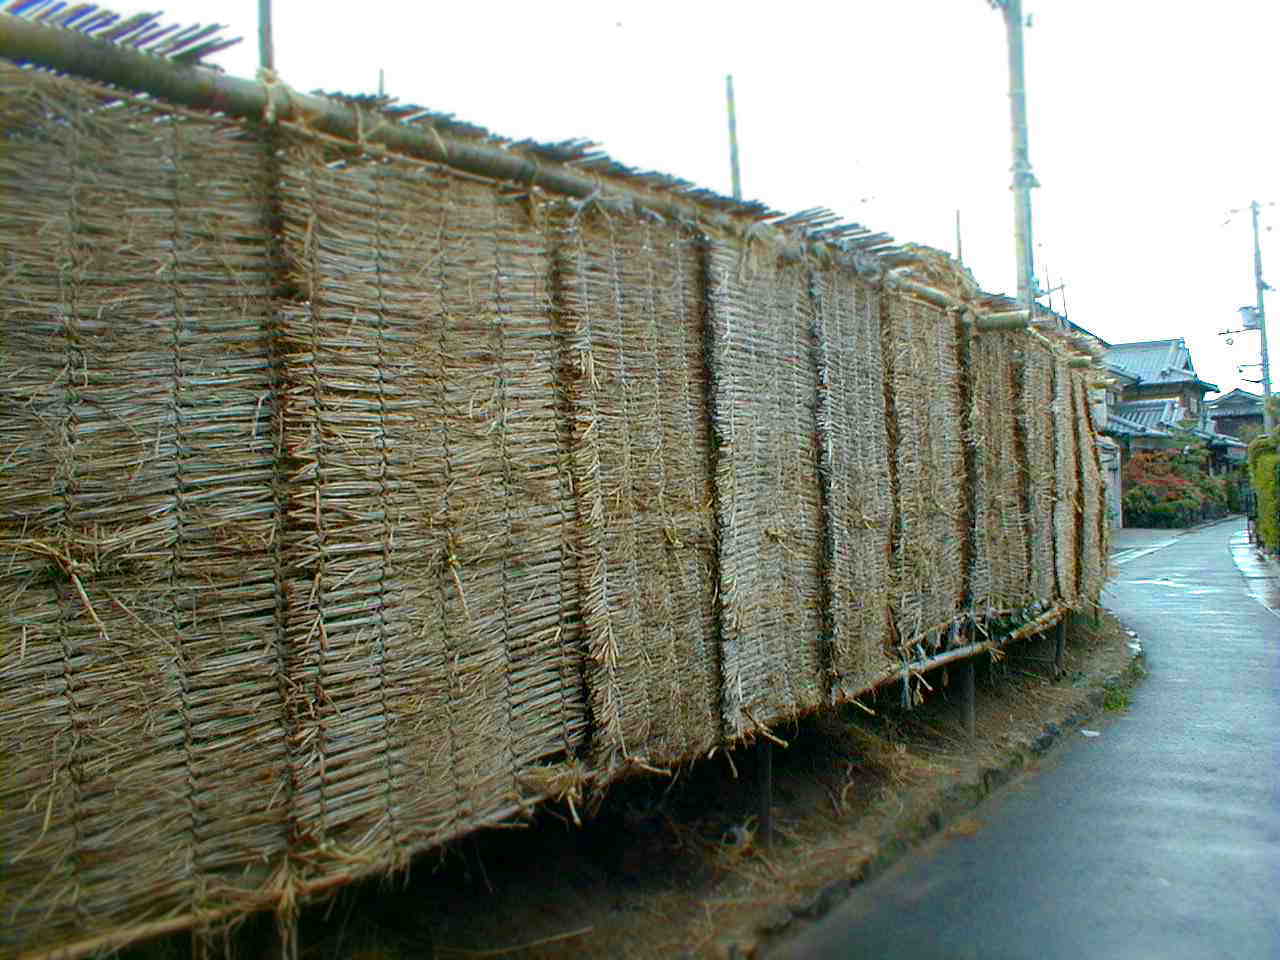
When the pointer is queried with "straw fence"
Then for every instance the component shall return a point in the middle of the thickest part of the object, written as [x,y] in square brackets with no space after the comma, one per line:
[351,502]
[928,581]
[1001,571]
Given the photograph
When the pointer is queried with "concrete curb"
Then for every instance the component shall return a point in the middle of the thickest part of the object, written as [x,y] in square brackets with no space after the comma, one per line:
[1209,523]
[1270,559]
[961,797]
[1172,531]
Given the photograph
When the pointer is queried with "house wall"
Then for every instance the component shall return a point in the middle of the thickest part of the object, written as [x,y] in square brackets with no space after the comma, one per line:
[1190,397]
[1236,425]
[1110,455]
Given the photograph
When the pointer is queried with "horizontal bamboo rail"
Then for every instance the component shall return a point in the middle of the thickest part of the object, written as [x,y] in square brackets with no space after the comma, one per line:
[271,100]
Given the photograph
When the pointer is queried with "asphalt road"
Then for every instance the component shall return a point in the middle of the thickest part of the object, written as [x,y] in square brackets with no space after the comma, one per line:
[1158,838]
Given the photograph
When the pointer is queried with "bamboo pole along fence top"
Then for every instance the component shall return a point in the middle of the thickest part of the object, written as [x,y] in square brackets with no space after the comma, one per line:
[574,168]
[136,54]
[142,31]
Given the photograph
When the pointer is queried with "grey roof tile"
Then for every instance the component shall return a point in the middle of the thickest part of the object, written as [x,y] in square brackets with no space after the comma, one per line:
[1156,361]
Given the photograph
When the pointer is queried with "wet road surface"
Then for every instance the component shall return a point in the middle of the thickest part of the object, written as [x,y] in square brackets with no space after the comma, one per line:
[1159,838]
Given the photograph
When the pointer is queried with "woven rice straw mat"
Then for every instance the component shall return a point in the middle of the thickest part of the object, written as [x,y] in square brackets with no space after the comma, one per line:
[855,458]
[768,492]
[1094,527]
[435,585]
[143,727]
[1001,580]
[1035,408]
[630,293]
[921,347]
[1066,503]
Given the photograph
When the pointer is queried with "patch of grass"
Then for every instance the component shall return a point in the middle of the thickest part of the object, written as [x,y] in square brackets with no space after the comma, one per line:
[1116,700]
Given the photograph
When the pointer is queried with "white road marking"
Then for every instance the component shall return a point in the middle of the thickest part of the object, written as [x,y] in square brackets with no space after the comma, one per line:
[1135,553]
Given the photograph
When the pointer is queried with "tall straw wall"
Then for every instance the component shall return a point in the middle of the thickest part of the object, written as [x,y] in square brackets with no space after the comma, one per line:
[630,301]
[1001,579]
[350,503]
[1036,415]
[434,618]
[142,725]
[855,457]
[768,497]
[921,346]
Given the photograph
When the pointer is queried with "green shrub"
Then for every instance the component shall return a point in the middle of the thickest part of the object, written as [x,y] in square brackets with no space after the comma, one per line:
[1264,474]
[1172,488]
[1237,482]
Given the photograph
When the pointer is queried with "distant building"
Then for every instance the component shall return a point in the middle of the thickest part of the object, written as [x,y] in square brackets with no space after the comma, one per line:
[1237,414]
[1150,391]
[1161,369]
[1159,390]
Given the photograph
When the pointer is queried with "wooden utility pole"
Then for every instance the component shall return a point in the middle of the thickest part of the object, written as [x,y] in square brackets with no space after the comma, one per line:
[1268,419]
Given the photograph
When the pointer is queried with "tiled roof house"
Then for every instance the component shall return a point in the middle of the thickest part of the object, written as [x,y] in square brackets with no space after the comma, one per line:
[1160,390]
[1160,369]
[1236,412]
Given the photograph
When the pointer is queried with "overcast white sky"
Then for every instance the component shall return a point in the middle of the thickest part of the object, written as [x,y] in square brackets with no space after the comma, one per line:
[1150,121]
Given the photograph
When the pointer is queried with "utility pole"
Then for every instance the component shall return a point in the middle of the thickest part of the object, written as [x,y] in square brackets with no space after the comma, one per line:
[1268,420]
[266,47]
[1023,178]
[733,138]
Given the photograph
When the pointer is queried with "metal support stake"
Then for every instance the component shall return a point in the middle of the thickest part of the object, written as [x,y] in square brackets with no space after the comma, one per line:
[968,697]
[764,780]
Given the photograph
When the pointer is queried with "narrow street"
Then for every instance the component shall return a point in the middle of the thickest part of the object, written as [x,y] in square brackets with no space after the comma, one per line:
[1158,837]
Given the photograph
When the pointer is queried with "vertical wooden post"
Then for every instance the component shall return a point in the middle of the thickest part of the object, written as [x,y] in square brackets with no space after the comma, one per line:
[764,781]
[1059,645]
[967,697]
